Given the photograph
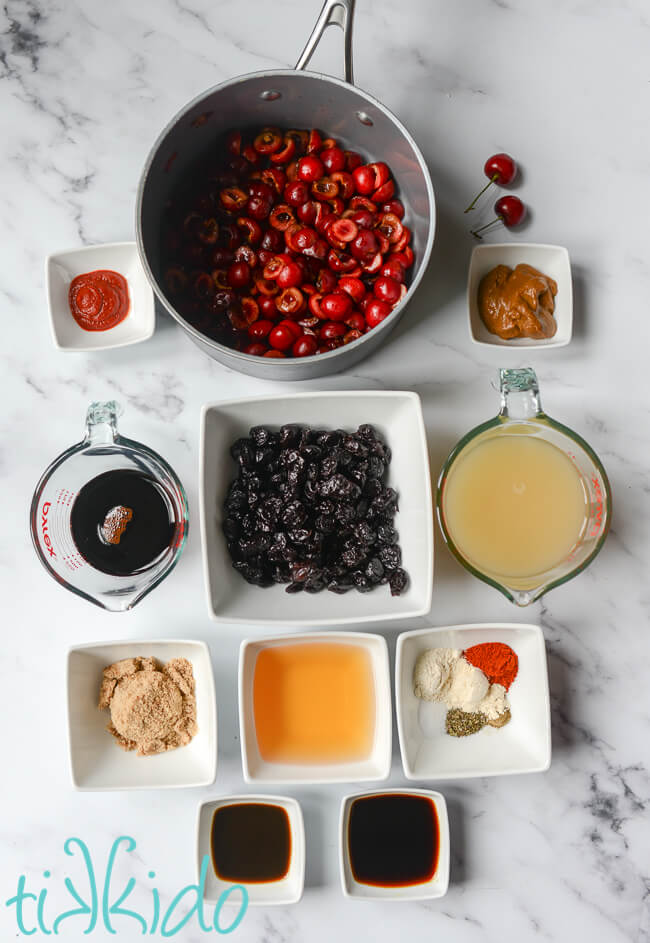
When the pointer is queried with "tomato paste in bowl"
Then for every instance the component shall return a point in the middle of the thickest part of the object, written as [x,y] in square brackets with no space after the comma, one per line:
[99,300]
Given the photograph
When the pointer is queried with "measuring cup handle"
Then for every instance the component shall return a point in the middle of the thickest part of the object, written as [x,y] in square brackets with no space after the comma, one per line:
[101,422]
[519,394]
[334,13]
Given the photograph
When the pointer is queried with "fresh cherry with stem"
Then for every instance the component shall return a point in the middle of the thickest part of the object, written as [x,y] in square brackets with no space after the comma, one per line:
[510,211]
[501,169]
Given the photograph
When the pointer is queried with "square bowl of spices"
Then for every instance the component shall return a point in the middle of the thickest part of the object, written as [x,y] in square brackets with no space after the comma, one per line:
[141,715]
[316,509]
[473,700]
[315,708]
[257,841]
[99,297]
[394,845]
[520,295]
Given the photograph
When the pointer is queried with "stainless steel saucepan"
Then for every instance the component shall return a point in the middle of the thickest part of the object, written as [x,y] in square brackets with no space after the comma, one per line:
[298,99]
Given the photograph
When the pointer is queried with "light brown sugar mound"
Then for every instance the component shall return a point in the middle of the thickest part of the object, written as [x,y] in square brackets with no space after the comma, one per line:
[153,706]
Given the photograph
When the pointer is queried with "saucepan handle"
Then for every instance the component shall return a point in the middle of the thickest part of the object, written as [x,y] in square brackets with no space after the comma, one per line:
[334,13]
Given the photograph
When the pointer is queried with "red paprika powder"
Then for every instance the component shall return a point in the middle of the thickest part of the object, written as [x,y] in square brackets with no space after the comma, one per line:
[497,661]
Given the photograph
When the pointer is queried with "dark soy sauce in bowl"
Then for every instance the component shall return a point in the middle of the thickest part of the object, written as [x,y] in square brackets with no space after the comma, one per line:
[251,842]
[393,839]
[122,522]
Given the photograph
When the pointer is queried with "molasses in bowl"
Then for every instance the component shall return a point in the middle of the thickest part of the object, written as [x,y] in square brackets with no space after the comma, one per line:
[257,841]
[394,845]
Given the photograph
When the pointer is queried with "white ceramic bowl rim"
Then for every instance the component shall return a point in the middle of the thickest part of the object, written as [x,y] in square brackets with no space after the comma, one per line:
[206,701]
[139,325]
[417,539]
[378,762]
[538,703]
[479,333]
[274,892]
[437,886]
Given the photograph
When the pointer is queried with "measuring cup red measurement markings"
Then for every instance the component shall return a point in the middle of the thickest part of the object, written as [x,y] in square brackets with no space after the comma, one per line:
[598,515]
[73,564]
[61,530]
[179,535]
[597,521]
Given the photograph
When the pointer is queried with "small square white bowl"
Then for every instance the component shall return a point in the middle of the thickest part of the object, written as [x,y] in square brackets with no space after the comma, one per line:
[289,889]
[398,417]
[121,257]
[550,260]
[522,746]
[374,767]
[97,762]
[439,883]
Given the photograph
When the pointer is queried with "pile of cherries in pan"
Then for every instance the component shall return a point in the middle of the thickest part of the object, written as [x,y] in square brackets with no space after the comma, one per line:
[285,244]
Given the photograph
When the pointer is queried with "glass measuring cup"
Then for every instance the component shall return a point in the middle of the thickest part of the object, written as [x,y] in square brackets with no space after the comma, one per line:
[102,450]
[521,413]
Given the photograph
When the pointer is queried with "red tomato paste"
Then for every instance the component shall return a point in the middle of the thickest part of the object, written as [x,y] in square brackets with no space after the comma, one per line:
[99,300]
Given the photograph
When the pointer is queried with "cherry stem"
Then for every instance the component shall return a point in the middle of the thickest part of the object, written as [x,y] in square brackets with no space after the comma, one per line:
[476,232]
[471,206]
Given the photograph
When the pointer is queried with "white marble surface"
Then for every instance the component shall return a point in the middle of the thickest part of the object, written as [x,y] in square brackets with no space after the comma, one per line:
[564,87]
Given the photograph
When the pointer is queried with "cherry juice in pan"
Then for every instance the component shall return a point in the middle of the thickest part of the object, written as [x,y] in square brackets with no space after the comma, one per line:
[121,522]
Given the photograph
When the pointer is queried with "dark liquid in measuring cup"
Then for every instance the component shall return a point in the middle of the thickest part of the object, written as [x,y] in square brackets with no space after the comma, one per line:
[393,840]
[121,522]
[251,842]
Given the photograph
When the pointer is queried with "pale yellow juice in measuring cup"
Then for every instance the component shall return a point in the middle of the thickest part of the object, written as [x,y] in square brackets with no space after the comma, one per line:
[515,506]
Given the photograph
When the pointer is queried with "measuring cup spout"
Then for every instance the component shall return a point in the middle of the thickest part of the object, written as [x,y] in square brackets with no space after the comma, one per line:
[524,597]
[101,422]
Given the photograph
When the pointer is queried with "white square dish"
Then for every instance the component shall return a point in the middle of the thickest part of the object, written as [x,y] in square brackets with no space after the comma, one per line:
[97,762]
[436,887]
[550,260]
[375,766]
[522,746]
[288,890]
[121,257]
[398,417]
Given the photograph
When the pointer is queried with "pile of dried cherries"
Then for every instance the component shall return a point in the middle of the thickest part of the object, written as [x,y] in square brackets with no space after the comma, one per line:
[309,508]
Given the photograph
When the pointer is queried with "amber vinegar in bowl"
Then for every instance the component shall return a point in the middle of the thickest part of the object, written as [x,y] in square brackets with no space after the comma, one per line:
[314,703]
[315,708]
